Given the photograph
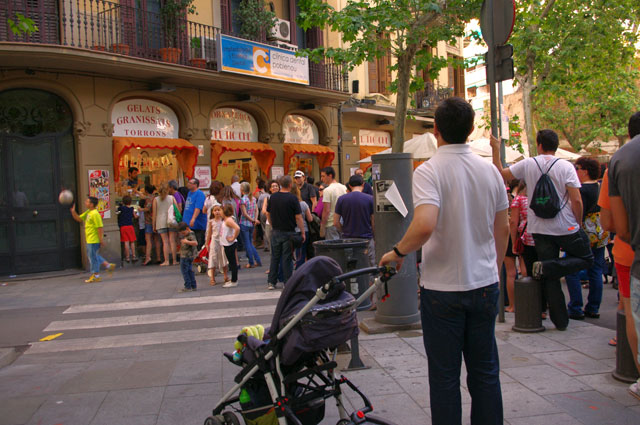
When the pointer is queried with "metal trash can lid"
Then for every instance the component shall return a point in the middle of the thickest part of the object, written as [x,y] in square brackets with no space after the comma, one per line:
[341,243]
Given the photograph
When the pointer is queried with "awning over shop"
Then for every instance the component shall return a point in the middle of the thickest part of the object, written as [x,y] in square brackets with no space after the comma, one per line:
[186,154]
[367,151]
[262,152]
[324,154]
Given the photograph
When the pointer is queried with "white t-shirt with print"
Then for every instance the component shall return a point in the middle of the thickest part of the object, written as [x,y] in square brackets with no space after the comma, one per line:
[330,196]
[562,174]
[460,255]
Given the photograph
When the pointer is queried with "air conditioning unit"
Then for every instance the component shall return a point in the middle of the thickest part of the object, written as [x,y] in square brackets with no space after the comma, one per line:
[281,31]
[208,48]
[287,46]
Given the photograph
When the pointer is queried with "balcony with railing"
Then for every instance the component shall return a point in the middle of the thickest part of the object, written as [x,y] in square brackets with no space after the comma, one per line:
[113,28]
[427,100]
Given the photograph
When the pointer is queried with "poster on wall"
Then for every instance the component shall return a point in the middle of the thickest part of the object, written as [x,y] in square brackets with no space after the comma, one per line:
[277,172]
[99,187]
[203,174]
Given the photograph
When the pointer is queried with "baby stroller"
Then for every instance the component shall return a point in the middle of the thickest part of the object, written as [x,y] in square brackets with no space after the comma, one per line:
[286,378]
[202,260]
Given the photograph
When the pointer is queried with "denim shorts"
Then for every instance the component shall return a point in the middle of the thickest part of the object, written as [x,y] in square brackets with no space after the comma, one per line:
[148,228]
[165,230]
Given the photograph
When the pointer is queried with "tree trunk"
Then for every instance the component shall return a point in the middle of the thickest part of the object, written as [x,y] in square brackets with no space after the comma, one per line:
[527,88]
[404,78]
[621,140]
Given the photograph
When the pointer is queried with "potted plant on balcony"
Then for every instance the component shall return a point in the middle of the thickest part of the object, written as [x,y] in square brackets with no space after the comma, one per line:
[256,21]
[196,53]
[174,25]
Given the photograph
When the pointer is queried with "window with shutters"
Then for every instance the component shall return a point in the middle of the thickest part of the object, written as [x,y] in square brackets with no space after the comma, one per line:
[380,73]
[44,14]
[456,77]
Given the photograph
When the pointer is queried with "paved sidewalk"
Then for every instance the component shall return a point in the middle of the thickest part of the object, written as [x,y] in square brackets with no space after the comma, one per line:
[547,378]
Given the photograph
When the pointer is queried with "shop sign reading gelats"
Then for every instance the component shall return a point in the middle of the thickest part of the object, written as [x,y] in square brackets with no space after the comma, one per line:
[375,138]
[233,125]
[261,60]
[144,118]
[99,187]
[300,129]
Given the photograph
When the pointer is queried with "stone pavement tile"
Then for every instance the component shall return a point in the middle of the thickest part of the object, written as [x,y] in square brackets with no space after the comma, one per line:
[531,343]
[125,420]
[121,374]
[192,368]
[595,348]
[573,363]
[117,353]
[592,408]
[519,401]
[545,379]
[185,410]
[417,343]
[592,332]
[344,359]
[211,389]
[19,410]
[45,379]
[56,358]
[164,351]
[511,356]
[68,409]
[560,418]
[409,366]
[611,363]
[373,382]
[418,389]
[399,409]
[140,401]
[605,384]
[393,346]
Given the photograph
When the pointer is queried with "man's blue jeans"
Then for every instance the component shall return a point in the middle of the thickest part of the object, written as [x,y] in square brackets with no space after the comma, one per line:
[95,258]
[246,232]
[186,268]
[281,250]
[457,324]
[595,286]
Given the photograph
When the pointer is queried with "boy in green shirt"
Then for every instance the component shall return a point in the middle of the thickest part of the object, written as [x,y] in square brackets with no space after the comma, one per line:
[94,235]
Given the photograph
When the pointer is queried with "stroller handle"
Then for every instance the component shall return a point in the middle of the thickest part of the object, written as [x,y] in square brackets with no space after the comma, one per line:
[385,272]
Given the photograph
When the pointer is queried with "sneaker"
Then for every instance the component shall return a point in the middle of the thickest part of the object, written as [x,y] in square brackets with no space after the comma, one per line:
[185,290]
[230,284]
[93,278]
[634,390]
[537,270]
[111,267]
[271,286]
[193,289]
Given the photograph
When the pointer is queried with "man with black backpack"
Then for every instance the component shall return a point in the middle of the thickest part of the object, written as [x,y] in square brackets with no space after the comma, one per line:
[555,214]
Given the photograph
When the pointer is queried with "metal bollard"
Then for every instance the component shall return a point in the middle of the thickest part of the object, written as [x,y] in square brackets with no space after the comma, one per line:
[625,366]
[355,363]
[528,298]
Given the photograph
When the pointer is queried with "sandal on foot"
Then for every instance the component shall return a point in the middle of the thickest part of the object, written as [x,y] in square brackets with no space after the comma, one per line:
[613,341]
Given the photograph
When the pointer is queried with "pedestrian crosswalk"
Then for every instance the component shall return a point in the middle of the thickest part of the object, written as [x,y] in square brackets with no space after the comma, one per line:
[118,324]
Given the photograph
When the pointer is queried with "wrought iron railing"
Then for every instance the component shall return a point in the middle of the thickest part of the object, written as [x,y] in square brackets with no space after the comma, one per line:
[430,97]
[110,27]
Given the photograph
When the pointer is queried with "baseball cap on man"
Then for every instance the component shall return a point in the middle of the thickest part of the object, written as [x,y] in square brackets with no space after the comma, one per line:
[298,174]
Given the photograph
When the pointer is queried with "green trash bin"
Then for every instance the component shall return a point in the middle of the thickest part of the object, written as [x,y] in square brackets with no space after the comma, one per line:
[350,254]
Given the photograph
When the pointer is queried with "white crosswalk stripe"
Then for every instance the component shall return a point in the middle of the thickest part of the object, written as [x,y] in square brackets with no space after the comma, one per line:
[235,310]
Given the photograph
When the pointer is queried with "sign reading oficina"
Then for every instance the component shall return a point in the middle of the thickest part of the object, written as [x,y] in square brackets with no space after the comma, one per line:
[144,118]
[300,129]
[375,138]
[261,60]
[231,124]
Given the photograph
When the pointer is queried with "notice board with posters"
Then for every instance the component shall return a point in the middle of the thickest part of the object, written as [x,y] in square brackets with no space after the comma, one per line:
[99,187]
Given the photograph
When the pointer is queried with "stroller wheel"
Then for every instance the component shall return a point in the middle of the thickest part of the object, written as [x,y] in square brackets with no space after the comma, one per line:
[211,420]
[230,418]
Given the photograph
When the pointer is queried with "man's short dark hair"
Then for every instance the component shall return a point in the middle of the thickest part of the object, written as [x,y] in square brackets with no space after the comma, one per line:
[548,139]
[285,182]
[132,169]
[310,180]
[93,200]
[329,171]
[149,188]
[591,165]
[634,125]
[454,119]
[195,181]
[182,226]
[173,184]
[356,180]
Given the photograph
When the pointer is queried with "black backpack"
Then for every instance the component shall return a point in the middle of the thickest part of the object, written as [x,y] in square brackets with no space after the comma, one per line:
[545,201]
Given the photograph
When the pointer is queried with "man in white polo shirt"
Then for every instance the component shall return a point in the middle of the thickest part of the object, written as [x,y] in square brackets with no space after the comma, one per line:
[460,221]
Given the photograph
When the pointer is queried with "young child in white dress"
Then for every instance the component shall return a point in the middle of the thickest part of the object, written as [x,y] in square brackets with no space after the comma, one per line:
[217,258]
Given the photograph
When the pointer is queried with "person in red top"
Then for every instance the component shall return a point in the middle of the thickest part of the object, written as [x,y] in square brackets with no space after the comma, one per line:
[623,257]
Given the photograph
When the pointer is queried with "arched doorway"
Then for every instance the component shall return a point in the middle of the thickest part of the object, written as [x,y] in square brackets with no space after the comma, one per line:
[37,160]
